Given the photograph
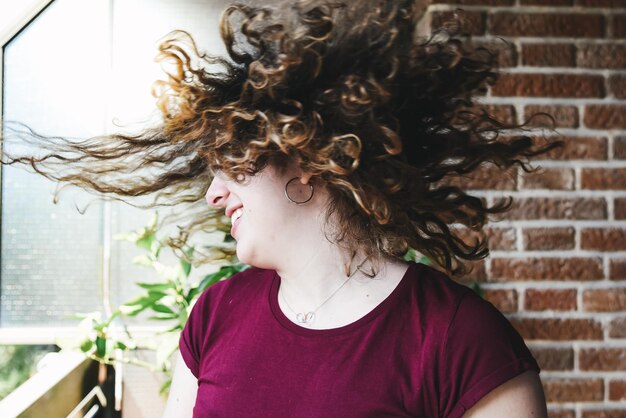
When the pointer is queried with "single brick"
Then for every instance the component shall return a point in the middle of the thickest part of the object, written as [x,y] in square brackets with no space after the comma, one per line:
[573,390]
[503,299]
[553,358]
[601,56]
[557,208]
[549,85]
[476,2]
[549,55]
[549,178]
[604,413]
[570,25]
[617,328]
[600,3]
[536,239]
[617,390]
[564,116]
[550,300]
[619,208]
[579,148]
[605,116]
[604,300]
[605,359]
[603,178]
[619,148]
[557,329]
[603,239]
[470,22]
[617,269]
[547,2]
[617,85]
[560,413]
[618,23]
[549,268]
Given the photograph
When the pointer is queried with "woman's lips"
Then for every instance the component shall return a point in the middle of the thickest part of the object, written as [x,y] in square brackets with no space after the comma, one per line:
[237,217]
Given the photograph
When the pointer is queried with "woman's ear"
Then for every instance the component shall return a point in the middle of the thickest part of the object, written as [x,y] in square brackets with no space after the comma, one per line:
[305,177]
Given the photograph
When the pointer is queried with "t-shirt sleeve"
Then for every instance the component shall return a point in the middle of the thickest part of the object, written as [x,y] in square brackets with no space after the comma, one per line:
[191,338]
[480,352]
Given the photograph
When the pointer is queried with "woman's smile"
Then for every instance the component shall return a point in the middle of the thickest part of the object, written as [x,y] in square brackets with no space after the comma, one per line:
[235,217]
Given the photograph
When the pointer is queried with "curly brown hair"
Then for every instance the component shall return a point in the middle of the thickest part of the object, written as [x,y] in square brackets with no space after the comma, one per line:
[351,92]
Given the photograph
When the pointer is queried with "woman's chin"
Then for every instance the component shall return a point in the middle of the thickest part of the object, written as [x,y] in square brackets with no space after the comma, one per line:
[248,256]
[241,254]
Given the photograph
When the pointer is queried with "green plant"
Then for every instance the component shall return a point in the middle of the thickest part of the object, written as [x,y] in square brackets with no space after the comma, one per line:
[170,299]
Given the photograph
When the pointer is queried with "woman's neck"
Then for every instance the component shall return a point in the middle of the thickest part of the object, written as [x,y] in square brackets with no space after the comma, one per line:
[312,274]
[316,282]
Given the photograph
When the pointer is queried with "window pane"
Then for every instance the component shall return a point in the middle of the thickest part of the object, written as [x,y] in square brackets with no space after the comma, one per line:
[54,73]
[76,71]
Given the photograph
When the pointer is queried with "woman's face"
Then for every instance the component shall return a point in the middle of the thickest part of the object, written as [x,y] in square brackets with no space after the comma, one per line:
[265,224]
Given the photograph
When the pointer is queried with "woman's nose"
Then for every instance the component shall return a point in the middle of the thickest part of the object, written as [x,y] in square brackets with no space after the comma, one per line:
[217,194]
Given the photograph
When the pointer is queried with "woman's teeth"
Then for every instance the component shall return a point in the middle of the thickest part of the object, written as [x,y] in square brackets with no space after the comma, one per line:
[236,215]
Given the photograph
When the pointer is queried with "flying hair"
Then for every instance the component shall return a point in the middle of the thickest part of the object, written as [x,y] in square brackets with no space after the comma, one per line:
[387,119]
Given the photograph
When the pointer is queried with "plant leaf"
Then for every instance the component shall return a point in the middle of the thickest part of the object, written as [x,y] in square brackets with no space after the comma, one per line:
[222,273]
[175,328]
[185,265]
[163,317]
[100,346]
[158,307]
[86,346]
[145,241]
[140,303]
[121,345]
[165,387]
[191,294]
[157,287]
[185,268]
[155,248]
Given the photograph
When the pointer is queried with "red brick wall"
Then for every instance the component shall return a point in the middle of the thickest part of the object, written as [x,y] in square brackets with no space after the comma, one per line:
[558,262]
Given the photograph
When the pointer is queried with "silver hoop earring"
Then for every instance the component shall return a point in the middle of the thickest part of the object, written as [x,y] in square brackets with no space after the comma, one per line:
[298,192]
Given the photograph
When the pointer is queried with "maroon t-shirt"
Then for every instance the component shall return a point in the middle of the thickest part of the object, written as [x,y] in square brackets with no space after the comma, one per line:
[433,348]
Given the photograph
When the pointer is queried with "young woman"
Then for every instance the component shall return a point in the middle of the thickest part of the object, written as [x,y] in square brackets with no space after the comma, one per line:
[332,136]
[330,157]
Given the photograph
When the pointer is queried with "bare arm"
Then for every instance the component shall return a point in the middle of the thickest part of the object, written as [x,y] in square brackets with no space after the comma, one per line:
[520,397]
[182,392]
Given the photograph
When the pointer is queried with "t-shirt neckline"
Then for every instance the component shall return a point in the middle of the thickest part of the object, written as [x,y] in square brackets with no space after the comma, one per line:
[383,306]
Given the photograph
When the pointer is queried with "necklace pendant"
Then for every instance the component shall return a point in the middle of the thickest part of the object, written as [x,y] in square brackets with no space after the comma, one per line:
[305,318]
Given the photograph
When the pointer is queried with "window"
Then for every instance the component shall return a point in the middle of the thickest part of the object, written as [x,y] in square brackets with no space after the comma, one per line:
[77,70]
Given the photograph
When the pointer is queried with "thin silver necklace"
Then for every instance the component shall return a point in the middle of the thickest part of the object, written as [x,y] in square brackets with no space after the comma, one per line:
[309,317]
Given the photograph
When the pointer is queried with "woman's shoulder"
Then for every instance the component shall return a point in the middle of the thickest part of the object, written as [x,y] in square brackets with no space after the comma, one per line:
[446,304]
[434,289]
